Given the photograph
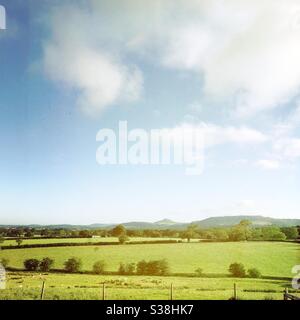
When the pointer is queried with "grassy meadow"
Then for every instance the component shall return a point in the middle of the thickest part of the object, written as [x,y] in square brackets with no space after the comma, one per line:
[9,242]
[273,259]
[82,287]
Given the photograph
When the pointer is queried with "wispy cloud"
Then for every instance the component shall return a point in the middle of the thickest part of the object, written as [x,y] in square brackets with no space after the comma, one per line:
[247,52]
[75,57]
[268,164]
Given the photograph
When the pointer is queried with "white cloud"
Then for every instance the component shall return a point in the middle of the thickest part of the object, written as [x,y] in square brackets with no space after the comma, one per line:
[247,51]
[268,164]
[214,134]
[288,148]
[74,58]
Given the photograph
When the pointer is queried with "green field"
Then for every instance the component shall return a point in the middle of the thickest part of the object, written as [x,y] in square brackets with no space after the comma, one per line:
[9,242]
[81,287]
[274,259]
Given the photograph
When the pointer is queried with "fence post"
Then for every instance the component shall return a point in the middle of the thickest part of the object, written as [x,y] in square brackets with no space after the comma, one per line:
[43,290]
[286,292]
[171,292]
[235,292]
[103,291]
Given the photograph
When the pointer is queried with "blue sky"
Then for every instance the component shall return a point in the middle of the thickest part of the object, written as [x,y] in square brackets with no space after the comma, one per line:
[68,70]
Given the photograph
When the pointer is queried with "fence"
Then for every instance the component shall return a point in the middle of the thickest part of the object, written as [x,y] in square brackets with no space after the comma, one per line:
[102,293]
[288,296]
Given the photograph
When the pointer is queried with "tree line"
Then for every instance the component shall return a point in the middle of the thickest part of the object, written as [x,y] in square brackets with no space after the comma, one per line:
[241,232]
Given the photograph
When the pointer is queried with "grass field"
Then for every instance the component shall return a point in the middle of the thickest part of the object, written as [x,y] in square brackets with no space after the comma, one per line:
[274,259]
[81,287]
[9,242]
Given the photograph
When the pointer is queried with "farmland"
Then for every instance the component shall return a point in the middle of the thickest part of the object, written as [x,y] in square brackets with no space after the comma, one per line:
[36,241]
[80,287]
[274,259]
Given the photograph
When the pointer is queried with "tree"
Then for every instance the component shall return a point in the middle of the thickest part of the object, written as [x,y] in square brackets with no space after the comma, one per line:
[290,232]
[190,232]
[123,238]
[273,233]
[19,241]
[220,234]
[85,234]
[153,267]
[4,262]
[254,273]
[46,264]
[142,267]
[126,269]
[199,272]
[118,231]
[256,234]
[237,270]
[73,265]
[99,267]
[31,264]
[241,232]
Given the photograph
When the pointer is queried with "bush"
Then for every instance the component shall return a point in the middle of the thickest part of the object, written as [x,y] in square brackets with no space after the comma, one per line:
[73,265]
[123,239]
[46,264]
[254,273]
[237,270]
[199,272]
[154,267]
[126,269]
[99,267]
[31,264]
[4,262]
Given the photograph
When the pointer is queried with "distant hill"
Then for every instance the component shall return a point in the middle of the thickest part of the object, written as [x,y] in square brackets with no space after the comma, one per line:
[214,222]
[166,222]
[256,221]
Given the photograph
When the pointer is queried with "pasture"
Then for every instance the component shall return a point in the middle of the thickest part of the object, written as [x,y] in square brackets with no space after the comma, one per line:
[273,259]
[33,241]
[27,286]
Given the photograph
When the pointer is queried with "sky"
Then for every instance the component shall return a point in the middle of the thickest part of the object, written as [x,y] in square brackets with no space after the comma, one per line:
[229,69]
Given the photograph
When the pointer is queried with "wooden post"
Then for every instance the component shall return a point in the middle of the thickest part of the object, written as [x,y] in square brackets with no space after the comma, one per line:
[235,292]
[103,291]
[171,292]
[286,292]
[43,290]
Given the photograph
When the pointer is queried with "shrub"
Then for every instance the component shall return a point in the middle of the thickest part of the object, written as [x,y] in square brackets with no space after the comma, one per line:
[141,267]
[153,267]
[73,265]
[4,262]
[46,264]
[19,241]
[123,239]
[99,267]
[254,273]
[31,264]
[199,272]
[237,270]
[126,269]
